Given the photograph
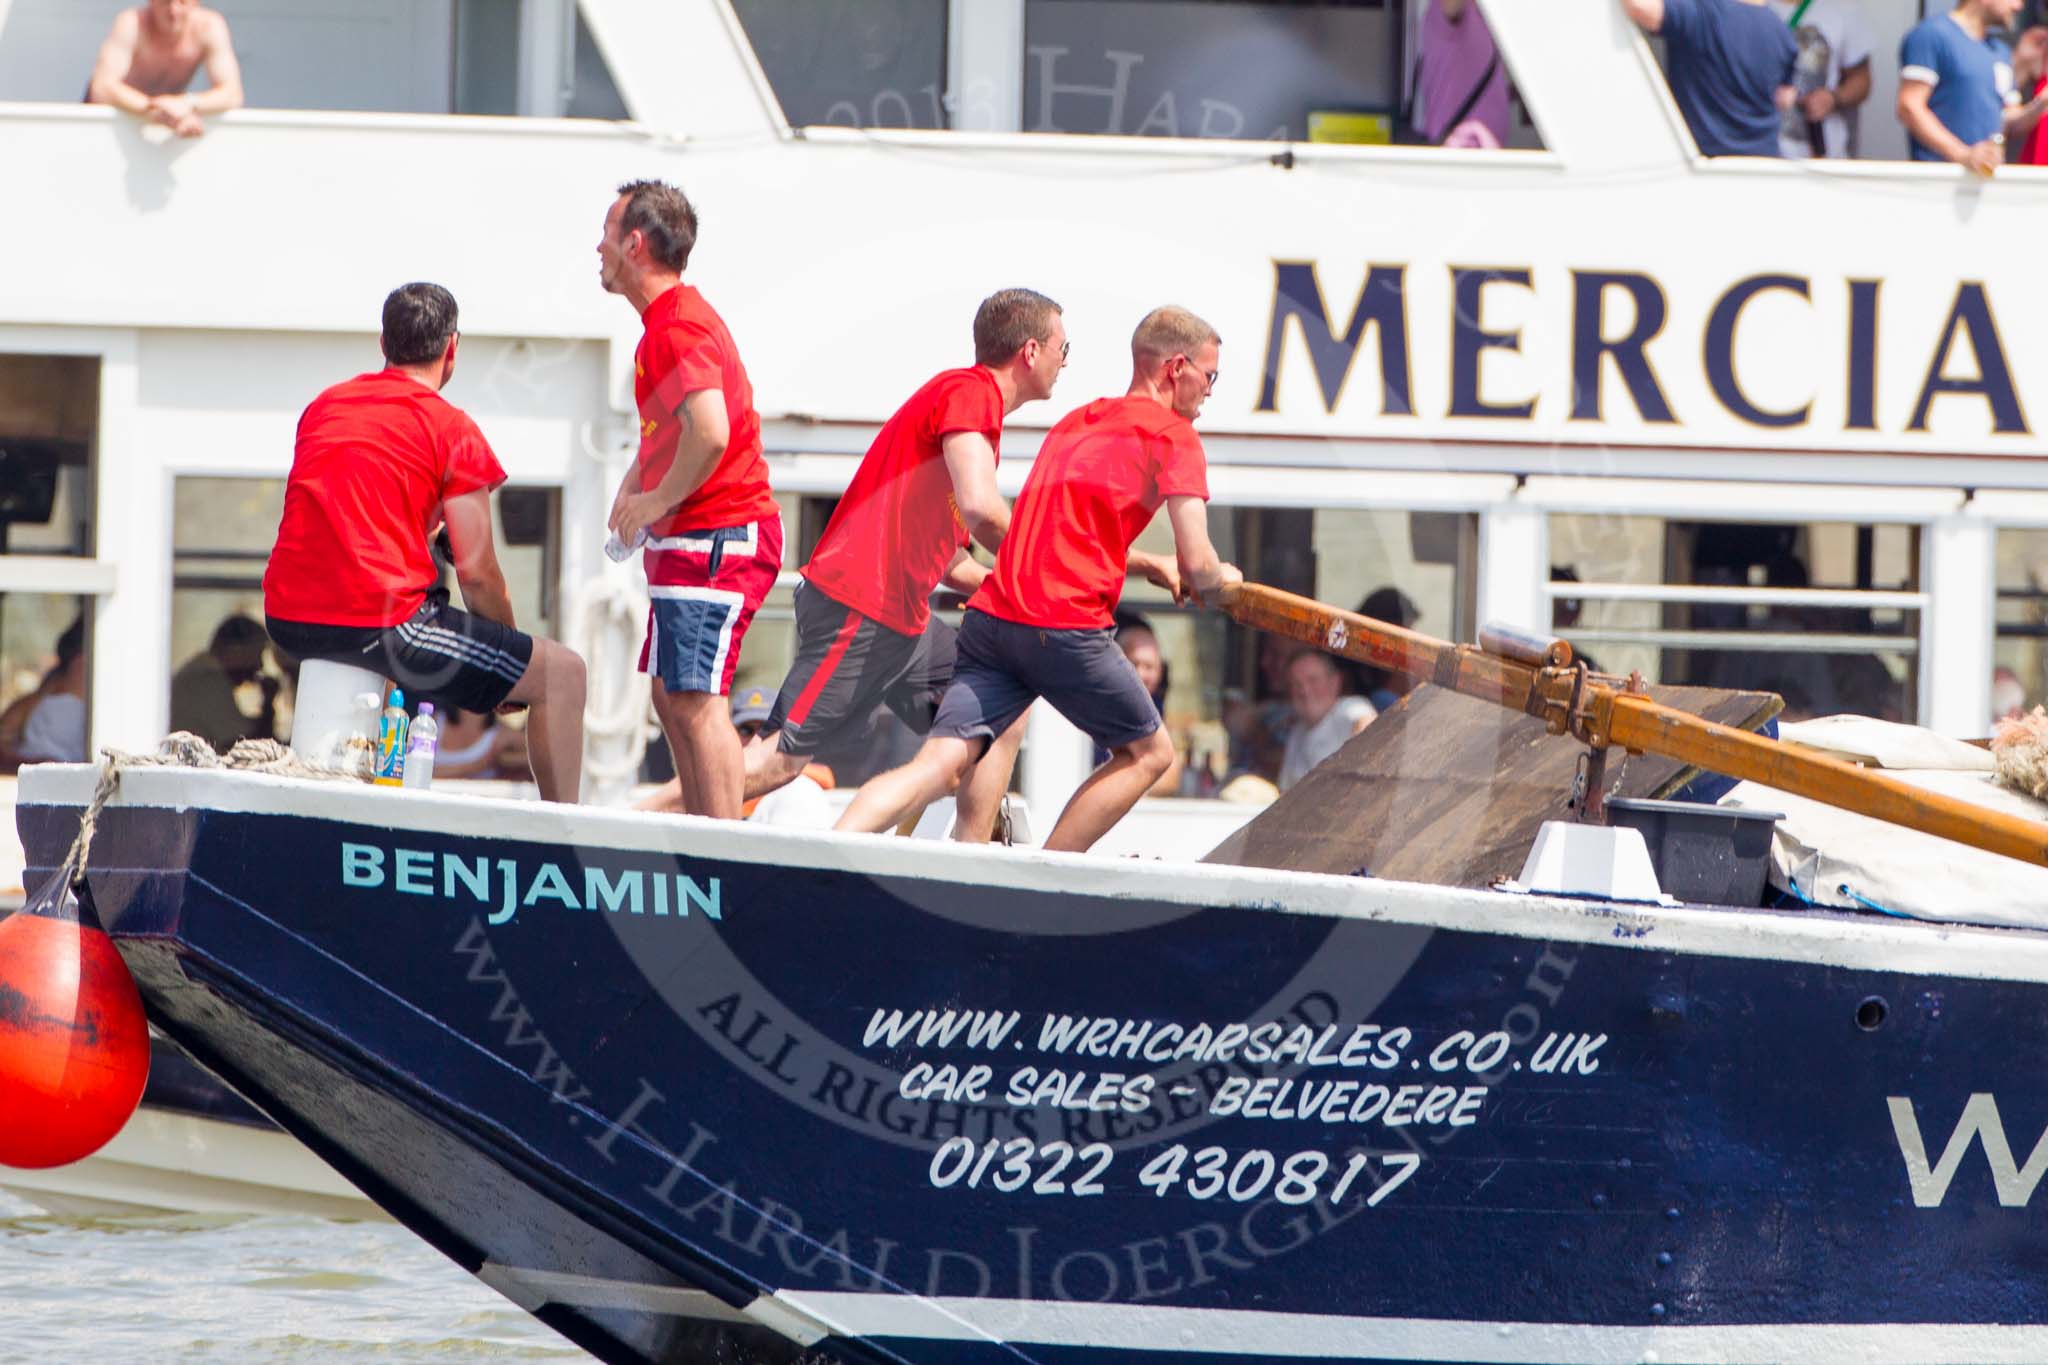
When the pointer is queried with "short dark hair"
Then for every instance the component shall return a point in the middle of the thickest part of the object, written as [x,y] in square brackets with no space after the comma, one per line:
[418,320]
[1006,320]
[71,643]
[661,214]
[238,631]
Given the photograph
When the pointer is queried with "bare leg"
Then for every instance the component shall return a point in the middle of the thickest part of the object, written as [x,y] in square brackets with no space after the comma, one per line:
[553,689]
[980,798]
[668,796]
[1110,792]
[885,799]
[767,767]
[706,748]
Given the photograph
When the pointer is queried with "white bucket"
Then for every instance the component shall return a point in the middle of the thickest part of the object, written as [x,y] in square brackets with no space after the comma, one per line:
[324,712]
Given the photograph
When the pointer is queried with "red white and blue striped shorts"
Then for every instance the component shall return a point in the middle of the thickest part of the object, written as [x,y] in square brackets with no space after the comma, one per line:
[703,589]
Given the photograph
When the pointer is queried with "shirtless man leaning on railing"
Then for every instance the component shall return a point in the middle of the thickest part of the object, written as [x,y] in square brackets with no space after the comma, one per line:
[151,55]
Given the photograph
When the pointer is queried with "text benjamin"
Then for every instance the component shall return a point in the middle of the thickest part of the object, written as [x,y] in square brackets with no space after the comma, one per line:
[418,872]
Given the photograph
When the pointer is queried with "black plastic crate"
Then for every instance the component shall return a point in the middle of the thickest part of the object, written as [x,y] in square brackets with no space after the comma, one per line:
[1710,855]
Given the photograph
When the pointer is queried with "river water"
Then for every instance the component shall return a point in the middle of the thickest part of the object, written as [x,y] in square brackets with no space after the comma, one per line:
[205,1288]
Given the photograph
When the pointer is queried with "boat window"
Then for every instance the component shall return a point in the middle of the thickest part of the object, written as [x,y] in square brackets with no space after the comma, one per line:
[49,420]
[856,63]
[1826,614]
[222,530]
[1226,701]
[534,57]
[490,62]
[49,428]
[45,678]
[1322,71]
[2019,679]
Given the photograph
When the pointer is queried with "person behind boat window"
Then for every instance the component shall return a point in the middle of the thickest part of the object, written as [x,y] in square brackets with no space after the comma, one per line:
[1567,612]
[474,745]
[1729,63]
[150,56]
[1956,95]
[1324,715]
[801,800]
[1461,84]
[1383,687]
[381,461]
[697,492]
[1830,78]
[2030,78]
[924,493]
[1805,680]
[1258,724]
[204,687]
[1039,626]
[2008,695]
[1134,636]
[47,725]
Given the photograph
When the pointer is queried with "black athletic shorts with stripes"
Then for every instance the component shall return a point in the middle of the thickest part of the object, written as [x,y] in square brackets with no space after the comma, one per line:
[846,664]
[440,653]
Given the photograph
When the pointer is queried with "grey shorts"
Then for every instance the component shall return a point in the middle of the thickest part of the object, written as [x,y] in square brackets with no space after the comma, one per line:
[1003,667]
[846,664]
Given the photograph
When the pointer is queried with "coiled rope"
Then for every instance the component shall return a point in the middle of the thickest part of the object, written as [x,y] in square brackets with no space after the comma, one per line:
[183,749]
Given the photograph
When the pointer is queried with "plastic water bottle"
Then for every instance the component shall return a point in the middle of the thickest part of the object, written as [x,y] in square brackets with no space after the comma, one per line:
[421,747]
[619,549]
[391,742]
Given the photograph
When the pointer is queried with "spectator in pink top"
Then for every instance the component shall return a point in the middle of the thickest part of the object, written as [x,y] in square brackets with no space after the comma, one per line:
[1459,76]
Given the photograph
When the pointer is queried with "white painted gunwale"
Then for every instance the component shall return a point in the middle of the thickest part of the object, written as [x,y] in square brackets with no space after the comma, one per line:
[1875,944]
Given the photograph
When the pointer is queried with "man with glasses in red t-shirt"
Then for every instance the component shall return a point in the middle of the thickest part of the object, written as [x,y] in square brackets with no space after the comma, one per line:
[865,633]
[1041,625]
[697,494]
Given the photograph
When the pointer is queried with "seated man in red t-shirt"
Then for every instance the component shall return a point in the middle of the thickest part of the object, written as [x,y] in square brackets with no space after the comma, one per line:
[865,632]
[382,461]
[1041,624]
[697,494]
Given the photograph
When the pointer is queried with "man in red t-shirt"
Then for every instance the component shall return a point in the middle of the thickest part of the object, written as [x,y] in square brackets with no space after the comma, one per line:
[866,636]
[1041,624]
[697,495]
[382,461]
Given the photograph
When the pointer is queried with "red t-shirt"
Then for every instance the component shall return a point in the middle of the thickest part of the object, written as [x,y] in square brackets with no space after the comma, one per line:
[2035,152]
[377,455]
[686,348]
[898,527]
[1099,477]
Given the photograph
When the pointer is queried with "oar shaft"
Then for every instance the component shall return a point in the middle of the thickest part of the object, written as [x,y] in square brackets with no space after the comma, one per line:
[1638,723]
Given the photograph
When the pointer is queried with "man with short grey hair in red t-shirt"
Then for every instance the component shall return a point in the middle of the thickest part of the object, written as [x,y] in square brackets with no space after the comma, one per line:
[382,461]
[1041,624]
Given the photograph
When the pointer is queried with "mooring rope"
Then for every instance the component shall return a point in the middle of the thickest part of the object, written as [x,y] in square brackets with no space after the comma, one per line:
[183,749]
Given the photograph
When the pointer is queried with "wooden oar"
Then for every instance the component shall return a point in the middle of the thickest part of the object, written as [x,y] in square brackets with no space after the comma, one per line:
[1536,675]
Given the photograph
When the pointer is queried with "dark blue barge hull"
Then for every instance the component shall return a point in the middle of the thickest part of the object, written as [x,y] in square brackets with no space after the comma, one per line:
[690,1093]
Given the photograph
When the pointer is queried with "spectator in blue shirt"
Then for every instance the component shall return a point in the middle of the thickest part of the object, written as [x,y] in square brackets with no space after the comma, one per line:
[1956,95]
[1730,67]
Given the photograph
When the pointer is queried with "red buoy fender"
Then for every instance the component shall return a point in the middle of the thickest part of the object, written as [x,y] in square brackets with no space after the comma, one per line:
[74,1043]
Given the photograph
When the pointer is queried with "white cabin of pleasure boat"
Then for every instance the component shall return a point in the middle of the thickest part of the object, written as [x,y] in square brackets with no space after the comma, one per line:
[1738,422]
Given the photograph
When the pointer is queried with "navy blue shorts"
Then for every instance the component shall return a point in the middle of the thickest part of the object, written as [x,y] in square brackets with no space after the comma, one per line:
[440,653]
[846,664]
[1004,667]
